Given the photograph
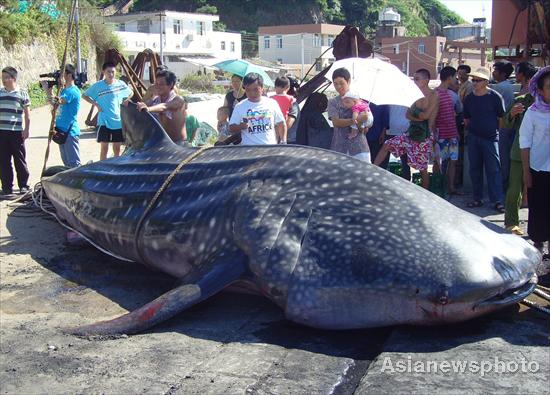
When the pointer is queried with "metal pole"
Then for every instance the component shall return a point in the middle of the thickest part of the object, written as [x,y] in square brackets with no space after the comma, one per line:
[408,59]
[161,38]
[302,42]
[78,55]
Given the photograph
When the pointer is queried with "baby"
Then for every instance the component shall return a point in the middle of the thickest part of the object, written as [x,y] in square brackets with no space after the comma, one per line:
[223,123]
[358,107]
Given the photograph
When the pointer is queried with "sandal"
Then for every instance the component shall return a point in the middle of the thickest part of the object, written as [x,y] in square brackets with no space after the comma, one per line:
[499,207]
[515,230]
[475,203]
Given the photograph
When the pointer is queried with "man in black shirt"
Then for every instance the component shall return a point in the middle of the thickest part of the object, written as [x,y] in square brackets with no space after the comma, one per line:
[482,110]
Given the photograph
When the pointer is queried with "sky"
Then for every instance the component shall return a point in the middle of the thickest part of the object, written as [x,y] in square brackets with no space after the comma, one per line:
[470,9]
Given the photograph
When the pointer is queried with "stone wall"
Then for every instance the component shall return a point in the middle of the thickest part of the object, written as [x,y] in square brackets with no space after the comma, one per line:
[37,58]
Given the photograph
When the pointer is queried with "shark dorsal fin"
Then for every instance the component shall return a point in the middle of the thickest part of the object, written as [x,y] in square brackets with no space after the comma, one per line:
[141,129]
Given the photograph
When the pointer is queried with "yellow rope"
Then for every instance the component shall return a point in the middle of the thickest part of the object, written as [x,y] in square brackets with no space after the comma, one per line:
[162,188]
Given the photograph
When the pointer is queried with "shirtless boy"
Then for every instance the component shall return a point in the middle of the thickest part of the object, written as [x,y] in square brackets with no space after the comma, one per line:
[168,106]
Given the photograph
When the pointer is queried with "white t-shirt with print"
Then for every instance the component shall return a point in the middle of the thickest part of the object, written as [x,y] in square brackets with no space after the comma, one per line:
[261,116]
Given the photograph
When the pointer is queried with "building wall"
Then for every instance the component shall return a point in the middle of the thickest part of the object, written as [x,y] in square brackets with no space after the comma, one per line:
[460,32]
[505,14]
[183,37]
[428,59]
[291,51]
[470,57]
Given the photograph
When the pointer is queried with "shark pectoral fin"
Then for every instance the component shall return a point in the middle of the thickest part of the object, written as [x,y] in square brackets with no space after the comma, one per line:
[167,305]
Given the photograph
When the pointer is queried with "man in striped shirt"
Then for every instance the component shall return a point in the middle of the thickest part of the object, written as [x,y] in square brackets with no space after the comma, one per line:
[445,124]
[14,106]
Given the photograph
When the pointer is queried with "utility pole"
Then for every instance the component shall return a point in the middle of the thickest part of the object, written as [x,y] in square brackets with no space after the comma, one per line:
[302,43]
[161,37]
[77,30]
[408,59]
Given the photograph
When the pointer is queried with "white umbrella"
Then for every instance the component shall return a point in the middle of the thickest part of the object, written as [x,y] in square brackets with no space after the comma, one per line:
[378,81]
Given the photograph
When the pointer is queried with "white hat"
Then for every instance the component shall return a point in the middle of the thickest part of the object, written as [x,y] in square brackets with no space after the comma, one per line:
[482,73]
[352,95]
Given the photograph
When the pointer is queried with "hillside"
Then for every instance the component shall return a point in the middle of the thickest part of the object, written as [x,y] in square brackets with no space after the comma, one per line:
[421,17]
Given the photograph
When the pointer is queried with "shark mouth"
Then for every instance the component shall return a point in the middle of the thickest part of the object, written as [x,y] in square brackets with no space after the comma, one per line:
[510,296]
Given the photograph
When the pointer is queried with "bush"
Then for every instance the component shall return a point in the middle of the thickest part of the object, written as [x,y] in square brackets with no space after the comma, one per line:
[37,95]
[22,28]
[201,83]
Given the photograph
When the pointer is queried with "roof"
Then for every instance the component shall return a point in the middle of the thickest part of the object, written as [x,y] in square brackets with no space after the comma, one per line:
[459,25]
[132,16]
[319,28]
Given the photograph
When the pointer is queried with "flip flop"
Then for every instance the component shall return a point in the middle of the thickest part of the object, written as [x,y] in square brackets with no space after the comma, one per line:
[475,203]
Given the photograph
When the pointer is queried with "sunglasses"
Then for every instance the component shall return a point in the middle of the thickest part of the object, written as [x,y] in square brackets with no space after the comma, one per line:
[475,80]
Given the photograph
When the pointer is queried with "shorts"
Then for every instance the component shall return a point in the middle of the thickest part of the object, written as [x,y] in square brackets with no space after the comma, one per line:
[448,148]
[106,135]
[418,154]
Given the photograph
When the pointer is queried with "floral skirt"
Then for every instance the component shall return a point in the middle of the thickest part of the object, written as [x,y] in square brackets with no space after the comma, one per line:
[418,154]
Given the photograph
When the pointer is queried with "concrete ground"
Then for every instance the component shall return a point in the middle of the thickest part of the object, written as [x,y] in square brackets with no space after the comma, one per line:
[230,344]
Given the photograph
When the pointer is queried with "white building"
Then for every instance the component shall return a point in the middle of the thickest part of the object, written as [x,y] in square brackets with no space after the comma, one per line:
[187,37]
[293,45]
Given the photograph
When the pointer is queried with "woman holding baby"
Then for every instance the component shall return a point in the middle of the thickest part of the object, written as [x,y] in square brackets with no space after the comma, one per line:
[350,117]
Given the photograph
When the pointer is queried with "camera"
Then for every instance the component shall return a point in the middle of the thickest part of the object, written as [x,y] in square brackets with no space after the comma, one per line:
[80,80]
[51,83]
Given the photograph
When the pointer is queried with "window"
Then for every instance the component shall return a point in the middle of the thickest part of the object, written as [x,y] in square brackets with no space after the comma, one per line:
[121,27]
[441,46]
[317,40]
[200,28]
[143,25]
[421,48]
[266,42]
[330,40]
[177,27]
[232,46]
[396,48]
[279,41]
[223,45]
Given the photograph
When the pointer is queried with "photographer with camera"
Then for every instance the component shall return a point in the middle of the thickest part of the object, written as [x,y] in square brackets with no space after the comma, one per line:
[66,123]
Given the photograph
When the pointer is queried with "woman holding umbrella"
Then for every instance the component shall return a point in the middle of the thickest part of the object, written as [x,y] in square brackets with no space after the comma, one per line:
[236,94]
[341,118]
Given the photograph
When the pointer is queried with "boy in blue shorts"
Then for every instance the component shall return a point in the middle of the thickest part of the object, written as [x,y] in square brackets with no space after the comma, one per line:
[107,95]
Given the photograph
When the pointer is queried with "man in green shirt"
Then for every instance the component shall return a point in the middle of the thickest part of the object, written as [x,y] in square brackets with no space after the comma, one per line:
[512,120]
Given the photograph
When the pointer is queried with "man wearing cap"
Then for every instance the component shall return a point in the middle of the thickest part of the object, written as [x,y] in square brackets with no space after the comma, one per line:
[482,110]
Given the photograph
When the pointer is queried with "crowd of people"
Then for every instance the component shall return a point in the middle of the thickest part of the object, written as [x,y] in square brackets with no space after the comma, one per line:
[504,135]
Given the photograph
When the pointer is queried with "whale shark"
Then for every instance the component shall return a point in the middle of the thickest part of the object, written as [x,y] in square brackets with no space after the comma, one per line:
[337,243]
